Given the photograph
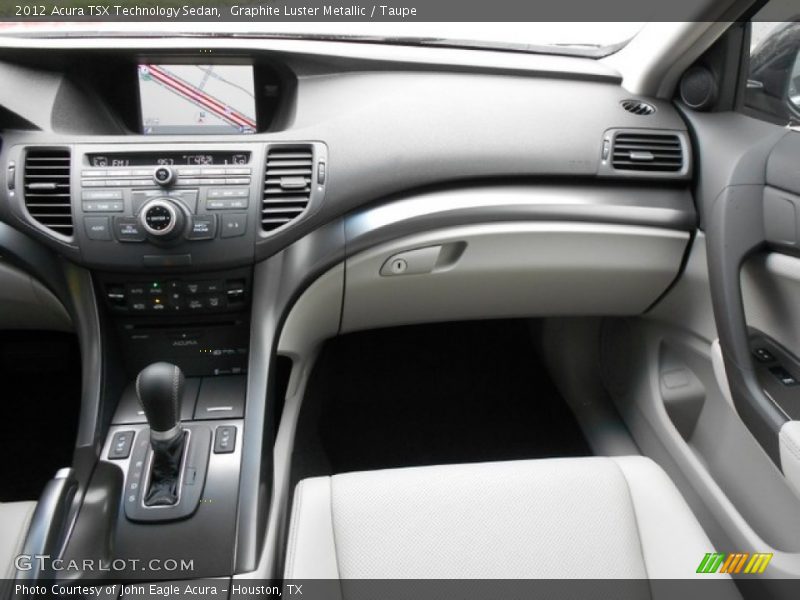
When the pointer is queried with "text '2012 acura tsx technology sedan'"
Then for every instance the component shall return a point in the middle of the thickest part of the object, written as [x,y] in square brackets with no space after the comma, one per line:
[332,312]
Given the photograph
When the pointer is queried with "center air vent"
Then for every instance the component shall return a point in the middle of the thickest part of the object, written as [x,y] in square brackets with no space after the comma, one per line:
[287,185]
[47,194]
[651,152]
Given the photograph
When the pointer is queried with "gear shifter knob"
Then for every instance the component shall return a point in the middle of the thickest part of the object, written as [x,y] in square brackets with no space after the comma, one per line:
[160,388]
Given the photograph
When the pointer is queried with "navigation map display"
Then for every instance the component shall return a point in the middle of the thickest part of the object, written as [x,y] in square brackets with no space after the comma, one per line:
[197,99]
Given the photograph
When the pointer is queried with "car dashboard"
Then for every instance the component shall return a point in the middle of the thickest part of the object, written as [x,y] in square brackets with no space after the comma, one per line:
[181,227]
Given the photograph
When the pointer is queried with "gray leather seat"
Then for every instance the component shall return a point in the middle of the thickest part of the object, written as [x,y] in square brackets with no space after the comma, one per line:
[15,518]
[593,517]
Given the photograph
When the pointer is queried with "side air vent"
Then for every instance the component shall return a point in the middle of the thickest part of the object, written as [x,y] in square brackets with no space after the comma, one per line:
[650,152]
[47,194]
[287,185]
[638,107]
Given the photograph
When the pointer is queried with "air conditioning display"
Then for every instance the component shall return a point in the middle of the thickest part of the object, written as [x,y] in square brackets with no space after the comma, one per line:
[197,99]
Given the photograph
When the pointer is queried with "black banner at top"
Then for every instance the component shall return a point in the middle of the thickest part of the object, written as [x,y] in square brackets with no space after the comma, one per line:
[387,10]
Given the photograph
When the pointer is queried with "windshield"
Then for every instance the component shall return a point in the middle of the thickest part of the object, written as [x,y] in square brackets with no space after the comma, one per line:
[591,39]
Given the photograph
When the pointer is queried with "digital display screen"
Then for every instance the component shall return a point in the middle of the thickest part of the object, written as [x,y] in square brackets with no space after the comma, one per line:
[197,99]
[146,159]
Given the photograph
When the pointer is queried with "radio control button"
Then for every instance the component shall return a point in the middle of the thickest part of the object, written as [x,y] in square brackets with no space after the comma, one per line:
[216,204]
[93,182]
[97,228]
[101,195]
[160,217]
[186,171]
[212,172]
[227,203]
[163,175]
[188,197]
[237,171]
[233,225]
[204,227]
[103,206]
[128,229]
[228,193]
[237,181]
[191,181]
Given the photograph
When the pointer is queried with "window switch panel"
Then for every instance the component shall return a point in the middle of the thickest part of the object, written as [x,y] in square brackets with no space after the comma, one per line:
[784,376]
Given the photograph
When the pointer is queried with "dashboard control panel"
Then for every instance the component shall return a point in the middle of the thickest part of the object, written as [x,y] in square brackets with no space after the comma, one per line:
[167,205]
[143,208]
[215,293]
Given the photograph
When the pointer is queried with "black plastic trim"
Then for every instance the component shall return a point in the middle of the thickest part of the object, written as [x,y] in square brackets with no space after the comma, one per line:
[736,231]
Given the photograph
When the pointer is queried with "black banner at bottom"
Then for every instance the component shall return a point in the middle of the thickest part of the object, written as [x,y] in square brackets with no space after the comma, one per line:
[407,589]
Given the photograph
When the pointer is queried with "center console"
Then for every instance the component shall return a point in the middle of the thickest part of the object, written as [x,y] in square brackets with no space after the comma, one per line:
[169,236]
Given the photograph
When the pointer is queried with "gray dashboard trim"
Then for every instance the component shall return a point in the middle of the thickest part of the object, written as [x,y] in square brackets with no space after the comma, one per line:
[335,53]
[670,208]
[277,284]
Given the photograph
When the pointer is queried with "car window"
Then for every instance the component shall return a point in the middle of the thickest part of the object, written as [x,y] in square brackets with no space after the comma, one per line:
[772,88]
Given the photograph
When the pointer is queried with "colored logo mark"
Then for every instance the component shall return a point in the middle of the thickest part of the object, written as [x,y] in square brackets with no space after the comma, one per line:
[734,562]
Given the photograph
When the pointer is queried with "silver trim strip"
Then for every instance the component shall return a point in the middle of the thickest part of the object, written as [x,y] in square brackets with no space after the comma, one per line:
[165,436]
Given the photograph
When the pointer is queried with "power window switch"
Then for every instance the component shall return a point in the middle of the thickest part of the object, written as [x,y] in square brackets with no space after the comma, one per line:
[763,355]
[121,445]
[225,439]
[784,376]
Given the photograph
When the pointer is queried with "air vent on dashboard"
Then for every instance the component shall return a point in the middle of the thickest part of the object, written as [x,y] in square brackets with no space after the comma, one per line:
[47,192]
[638,107]
[287,185]
[647,152]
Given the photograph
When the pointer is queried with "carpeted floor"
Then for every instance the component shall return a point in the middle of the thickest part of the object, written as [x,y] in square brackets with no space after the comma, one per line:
[432,394]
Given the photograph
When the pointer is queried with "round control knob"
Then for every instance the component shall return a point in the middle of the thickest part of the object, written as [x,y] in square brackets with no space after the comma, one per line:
[160,217]
[163,175]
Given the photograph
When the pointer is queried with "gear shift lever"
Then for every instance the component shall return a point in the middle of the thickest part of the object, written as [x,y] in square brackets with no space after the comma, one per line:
[160,388]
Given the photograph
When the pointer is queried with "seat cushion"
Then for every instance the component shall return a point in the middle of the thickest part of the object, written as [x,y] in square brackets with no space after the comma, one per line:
[15,518]
[594,517]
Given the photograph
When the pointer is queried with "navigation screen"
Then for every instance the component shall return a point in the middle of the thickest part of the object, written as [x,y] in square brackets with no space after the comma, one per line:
[192,99]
